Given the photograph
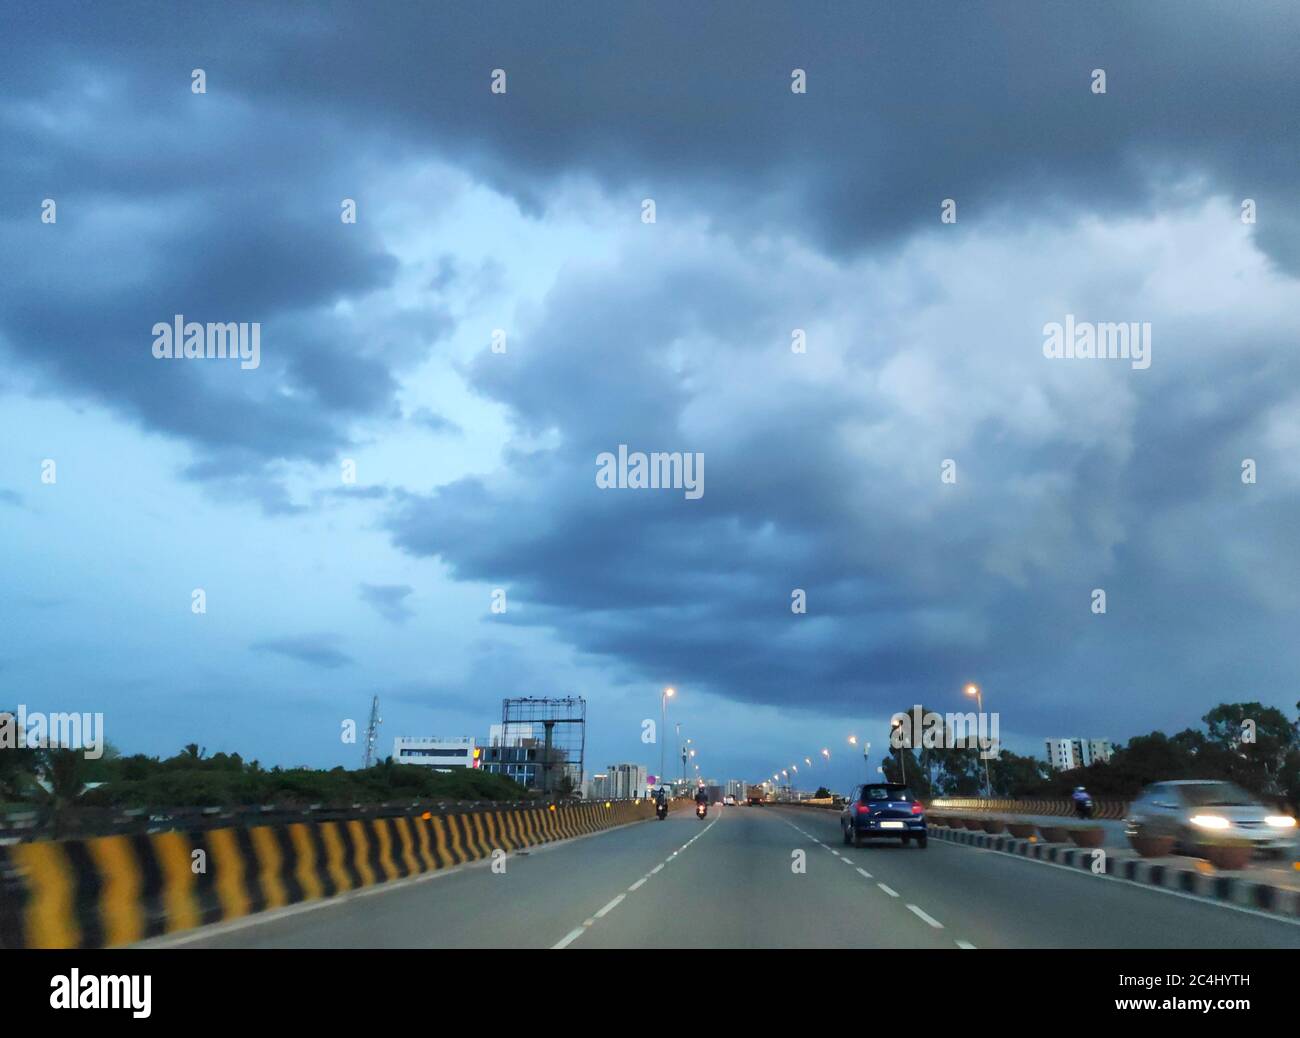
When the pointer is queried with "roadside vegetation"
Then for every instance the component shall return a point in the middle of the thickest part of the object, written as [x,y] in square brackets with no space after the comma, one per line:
[1268,767]
[55,779]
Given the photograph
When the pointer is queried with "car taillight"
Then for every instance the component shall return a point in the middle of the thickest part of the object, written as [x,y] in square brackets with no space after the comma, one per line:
[918,809]
[863,809]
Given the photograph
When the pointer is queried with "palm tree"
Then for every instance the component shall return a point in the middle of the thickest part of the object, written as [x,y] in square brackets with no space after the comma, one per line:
[63,771]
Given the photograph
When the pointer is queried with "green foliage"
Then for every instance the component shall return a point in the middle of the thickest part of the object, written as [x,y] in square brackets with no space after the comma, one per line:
[193,779]
[1268,767]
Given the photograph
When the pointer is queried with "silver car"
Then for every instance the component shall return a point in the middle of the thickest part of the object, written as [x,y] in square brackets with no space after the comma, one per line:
[1196,810]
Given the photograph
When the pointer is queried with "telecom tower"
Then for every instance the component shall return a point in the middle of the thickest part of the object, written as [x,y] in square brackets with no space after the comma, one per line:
[372,732]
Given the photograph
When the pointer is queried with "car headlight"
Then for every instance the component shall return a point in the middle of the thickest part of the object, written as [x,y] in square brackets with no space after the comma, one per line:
[1281,821]
[1210,821]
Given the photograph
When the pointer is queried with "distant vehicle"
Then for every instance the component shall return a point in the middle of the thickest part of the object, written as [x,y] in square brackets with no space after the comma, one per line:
[701,809]
[883,809]
[755,795]
[1194,811]
[729,800]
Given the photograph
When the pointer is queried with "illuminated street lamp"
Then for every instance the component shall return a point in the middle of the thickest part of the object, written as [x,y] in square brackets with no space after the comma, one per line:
[974,690]
[866,750]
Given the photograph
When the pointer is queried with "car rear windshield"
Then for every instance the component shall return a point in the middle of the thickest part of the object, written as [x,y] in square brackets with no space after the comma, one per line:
[885,793]
[1216,794]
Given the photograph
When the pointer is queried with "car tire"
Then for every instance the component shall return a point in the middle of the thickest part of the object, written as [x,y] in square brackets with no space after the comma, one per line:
[844,831]
[906,840]
[921,841]
[857,838]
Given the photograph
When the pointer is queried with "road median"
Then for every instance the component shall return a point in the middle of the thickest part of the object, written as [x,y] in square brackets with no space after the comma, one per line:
[1184,875]
[108,891]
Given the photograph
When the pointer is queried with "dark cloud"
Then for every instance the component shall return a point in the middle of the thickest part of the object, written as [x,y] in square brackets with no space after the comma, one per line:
[225,207]
[389,600]
[434,422]
[987,103]
[317,650]
[913,588]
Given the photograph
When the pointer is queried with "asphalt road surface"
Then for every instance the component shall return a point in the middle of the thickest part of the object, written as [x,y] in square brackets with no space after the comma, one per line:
[732,881]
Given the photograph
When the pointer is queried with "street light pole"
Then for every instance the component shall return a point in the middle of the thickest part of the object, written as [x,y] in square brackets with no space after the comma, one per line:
[663,729]
[974,690]
[902,761]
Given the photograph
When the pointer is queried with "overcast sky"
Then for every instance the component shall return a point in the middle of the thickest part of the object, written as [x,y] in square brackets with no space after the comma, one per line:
[476,470]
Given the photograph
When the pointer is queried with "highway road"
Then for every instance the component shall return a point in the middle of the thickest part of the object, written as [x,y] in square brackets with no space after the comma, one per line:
[730,882]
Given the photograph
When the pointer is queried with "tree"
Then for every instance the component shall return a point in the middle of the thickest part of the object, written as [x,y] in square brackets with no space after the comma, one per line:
[1014,776]
[62,772]
[18,765]
[1258,765]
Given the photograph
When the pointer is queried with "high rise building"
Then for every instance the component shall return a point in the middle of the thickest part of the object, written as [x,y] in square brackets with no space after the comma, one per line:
[627,781]
[1068,754]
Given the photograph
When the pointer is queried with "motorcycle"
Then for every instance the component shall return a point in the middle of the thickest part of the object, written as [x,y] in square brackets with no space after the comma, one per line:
[701,810]
[1083,808]
[661,810]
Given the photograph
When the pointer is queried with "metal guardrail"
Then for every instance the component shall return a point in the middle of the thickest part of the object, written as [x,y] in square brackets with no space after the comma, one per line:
[1062,807]
[35,824]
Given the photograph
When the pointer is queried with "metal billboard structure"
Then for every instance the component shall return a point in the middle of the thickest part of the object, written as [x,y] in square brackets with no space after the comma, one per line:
[557,728]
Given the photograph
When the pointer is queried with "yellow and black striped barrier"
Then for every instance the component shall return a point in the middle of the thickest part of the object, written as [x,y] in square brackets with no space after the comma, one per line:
[114,890]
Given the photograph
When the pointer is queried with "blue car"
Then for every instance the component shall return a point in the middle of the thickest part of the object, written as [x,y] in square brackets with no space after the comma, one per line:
[883,809]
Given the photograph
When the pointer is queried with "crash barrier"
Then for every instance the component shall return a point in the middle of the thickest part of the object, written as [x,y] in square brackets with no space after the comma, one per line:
[1063,808]
[114,890]
[73,821]
[978,805]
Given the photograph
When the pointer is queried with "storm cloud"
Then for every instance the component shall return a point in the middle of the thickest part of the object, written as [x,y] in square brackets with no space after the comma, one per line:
[867,383]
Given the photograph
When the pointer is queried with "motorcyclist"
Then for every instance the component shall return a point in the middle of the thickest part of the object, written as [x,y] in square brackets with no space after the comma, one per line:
[702,796]
[1082,801]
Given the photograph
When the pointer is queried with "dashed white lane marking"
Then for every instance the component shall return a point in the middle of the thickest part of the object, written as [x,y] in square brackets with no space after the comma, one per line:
[914,909]
[927,918]
[568,939]
[573,935]
[611,906]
